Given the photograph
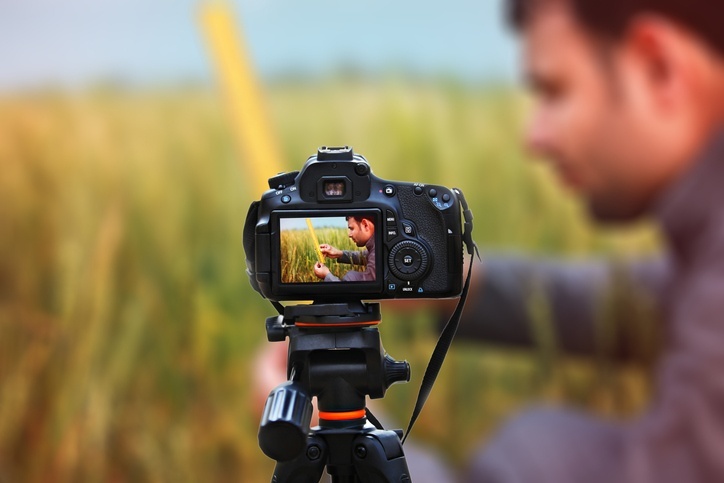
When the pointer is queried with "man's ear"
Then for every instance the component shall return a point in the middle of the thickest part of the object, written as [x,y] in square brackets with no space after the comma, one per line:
[659,50]
[367,224]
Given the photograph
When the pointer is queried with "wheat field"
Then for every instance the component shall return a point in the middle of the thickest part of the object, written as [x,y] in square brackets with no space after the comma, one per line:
[299,254]
[128,328]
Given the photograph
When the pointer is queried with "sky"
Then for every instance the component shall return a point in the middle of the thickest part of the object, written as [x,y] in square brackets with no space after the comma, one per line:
[301,223]
[80,42]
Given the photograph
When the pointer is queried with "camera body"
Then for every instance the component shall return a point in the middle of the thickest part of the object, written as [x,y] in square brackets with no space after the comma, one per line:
[336,232]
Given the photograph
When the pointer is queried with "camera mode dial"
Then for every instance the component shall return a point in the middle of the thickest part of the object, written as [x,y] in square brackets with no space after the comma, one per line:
[282,180]
[408,260]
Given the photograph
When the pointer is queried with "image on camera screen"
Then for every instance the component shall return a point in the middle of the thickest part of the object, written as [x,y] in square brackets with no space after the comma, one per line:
[327,249]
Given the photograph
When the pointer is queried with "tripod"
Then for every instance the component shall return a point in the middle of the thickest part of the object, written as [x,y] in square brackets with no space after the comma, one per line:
[335,354]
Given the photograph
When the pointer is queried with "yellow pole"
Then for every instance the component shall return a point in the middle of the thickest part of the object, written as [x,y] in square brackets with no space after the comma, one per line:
[316,242]
[258,148]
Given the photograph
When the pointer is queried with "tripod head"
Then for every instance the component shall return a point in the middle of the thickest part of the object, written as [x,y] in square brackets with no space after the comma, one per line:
[335,354]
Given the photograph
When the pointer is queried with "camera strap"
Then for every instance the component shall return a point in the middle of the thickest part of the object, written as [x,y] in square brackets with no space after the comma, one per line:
[448,333]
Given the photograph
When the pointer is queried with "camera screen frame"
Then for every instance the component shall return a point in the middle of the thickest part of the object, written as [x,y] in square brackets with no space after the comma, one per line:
[321,289]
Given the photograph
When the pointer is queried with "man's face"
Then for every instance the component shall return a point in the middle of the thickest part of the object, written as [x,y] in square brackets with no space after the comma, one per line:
[361,232]
[591,118]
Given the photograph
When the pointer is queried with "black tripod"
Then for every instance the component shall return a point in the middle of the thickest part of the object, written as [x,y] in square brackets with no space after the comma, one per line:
[335,354]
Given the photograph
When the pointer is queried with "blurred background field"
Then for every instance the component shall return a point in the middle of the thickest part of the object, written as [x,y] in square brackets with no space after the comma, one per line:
[128,329]
[127,325]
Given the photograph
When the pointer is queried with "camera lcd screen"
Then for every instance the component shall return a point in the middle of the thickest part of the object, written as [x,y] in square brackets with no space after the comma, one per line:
[328,249]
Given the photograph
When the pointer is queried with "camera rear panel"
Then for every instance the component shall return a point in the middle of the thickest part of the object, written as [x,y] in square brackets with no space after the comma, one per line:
[440,234]
[417,241]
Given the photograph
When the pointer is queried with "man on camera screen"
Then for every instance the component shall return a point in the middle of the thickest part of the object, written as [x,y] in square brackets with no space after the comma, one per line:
[362,233]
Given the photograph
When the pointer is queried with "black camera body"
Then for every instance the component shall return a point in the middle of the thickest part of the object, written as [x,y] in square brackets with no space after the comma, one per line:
[396,239]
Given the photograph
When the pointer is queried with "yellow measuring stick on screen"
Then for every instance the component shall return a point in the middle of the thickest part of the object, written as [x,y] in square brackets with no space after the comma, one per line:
[316,242]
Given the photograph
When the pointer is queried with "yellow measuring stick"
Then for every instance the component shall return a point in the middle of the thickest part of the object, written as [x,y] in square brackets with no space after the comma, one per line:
[259,148]
[316,242]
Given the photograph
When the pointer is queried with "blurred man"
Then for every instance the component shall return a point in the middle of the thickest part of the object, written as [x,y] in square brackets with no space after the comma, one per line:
[362,233]
[629,110]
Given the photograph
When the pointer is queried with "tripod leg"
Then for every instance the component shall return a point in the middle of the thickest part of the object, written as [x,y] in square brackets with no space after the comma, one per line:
[305,468]
[378,458]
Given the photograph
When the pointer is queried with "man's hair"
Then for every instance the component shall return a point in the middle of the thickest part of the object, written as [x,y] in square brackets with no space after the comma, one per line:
[359,219]
[611,18]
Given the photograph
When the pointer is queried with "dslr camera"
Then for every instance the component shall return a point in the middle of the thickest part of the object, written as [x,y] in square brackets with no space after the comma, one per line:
[335,232]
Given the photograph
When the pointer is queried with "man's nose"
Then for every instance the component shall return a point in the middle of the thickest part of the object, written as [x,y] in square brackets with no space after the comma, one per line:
[538,133]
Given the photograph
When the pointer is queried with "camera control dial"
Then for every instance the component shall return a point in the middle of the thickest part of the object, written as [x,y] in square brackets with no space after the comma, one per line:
[282,180]
[408,260]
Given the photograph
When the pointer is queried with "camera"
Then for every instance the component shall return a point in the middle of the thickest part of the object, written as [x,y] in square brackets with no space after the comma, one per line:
[336,232]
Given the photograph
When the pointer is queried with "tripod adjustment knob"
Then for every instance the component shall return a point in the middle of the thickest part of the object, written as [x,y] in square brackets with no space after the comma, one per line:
[284,425]
[395,371]
[275,330]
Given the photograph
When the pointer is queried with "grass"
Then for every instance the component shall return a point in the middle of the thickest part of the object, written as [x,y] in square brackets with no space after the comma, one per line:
[128,327]
[298,254]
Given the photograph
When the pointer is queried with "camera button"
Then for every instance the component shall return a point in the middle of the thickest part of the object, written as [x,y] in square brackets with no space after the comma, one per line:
[390,218]
[408,260]
[418,190]
[408,289]
[408,229]
[389,190]
[391,233]
[361,169]
[286,199]
[432,192]
[446,197]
